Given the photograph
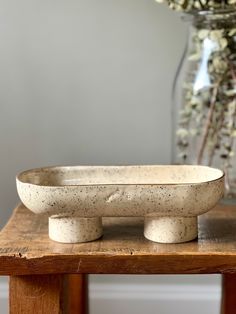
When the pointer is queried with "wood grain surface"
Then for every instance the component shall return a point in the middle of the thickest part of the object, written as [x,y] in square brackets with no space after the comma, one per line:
[77,298]
[54,294]
[26,249]
[228,305]
[36,294]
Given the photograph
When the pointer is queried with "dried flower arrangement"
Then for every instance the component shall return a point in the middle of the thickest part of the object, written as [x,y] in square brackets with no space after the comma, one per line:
[196,5]
[206,127]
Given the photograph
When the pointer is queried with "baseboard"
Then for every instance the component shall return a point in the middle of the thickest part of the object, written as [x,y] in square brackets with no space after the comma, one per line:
[129,298]
[3,290]
[3,298]
[149,299]
[154,292]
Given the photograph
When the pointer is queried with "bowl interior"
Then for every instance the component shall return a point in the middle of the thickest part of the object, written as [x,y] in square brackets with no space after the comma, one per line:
[120,175]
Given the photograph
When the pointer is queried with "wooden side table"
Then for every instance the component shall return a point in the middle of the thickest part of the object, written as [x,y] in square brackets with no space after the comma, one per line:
[40,270]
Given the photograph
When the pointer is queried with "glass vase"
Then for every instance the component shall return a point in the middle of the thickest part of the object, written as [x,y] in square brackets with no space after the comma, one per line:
[204,95]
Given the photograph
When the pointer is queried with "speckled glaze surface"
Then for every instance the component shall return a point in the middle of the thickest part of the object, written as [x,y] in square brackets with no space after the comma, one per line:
[74,229]
[162,194]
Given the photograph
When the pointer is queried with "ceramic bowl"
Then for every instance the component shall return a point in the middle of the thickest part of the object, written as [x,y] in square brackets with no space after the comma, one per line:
[76,198]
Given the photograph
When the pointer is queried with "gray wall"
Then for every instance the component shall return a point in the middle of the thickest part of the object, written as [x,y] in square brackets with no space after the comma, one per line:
[84,82]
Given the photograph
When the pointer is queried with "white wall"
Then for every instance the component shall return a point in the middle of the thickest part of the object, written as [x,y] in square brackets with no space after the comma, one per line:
[86,82]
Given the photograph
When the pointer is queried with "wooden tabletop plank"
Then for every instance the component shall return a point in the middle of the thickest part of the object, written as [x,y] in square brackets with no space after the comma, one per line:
[26,249]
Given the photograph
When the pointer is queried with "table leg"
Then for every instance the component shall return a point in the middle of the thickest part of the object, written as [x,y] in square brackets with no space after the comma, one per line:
[228,305]
[52,294]
[78,294]
[36,294]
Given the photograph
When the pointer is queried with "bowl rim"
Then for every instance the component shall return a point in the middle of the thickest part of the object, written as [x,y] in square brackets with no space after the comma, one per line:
[40,169]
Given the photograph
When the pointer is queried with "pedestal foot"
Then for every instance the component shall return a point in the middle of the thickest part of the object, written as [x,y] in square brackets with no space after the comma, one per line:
[74,229]
[170,229]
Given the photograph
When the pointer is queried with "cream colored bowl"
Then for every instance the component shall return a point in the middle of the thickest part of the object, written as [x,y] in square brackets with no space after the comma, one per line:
[76,198]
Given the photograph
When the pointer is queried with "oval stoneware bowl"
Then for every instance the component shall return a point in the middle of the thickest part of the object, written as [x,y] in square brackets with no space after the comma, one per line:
[76,198]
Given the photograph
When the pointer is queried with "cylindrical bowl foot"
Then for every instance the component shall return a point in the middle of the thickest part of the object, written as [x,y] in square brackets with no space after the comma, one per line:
[170,229]
[74,229]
